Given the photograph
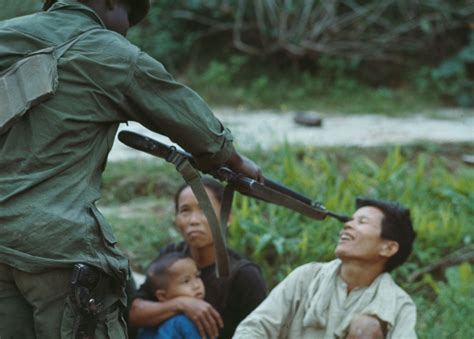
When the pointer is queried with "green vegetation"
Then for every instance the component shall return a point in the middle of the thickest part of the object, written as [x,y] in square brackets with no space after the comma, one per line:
[333,87]
[351,56]
[430,179]
[391,57]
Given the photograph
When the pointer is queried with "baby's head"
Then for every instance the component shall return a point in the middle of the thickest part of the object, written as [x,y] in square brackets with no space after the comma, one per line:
[174,275]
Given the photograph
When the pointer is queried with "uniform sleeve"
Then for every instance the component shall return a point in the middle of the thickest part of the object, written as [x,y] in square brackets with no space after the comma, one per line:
[405,322]
[167,107]
[275,313]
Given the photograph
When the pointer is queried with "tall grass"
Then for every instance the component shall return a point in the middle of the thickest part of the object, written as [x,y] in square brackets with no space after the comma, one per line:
[436,186]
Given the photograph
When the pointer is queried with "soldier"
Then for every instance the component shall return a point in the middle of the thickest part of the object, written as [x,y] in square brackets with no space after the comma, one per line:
[52,159]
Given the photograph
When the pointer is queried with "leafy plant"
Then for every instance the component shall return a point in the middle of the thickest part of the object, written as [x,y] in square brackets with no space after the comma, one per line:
[452,77]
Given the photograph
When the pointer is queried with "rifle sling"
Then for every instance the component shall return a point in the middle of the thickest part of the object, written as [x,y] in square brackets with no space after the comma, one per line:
[193,178]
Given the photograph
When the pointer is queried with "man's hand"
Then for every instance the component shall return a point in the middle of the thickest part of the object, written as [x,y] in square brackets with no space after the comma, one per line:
[365,327]
[241,164]
[206,318]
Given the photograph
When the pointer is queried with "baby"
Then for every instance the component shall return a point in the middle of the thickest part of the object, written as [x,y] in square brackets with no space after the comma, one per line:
[173,275]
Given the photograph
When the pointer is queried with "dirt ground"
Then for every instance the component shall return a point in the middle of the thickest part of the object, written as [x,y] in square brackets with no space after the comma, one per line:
[267,129]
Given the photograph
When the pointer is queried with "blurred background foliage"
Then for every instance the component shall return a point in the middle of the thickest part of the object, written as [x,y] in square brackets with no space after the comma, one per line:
[378,55]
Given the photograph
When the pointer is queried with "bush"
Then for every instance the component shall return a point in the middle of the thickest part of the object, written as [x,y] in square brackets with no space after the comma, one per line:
[453,79]
[370,30]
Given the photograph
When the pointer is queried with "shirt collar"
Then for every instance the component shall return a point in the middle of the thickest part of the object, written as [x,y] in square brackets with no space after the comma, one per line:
[75,5]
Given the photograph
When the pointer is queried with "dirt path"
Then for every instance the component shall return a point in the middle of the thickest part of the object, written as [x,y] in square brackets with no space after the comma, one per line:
[267,128]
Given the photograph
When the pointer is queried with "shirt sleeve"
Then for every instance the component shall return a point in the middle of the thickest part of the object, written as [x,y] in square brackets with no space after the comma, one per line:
[405,322]
[274,314]
[167,107]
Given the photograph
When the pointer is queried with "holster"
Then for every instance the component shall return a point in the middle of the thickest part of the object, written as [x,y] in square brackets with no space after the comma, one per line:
[84,281]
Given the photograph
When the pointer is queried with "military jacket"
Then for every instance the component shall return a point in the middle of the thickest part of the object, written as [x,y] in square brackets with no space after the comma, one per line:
[52,159]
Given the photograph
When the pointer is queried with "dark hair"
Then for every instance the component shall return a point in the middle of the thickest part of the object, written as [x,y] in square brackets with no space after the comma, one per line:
[47,4]
[157,273]
[396,226]
[215,186]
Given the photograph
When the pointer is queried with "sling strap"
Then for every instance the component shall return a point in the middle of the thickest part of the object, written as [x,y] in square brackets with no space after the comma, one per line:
[193,178]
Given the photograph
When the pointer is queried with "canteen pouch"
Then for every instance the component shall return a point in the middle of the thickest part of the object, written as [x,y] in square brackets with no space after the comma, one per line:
[30,81]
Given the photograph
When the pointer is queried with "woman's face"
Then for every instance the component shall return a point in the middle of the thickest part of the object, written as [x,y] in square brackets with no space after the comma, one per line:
[192,222]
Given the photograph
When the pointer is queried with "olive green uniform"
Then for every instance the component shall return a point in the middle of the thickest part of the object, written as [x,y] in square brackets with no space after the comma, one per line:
[52,159]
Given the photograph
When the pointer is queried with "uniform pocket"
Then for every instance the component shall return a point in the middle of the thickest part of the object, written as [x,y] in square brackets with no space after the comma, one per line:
[115,325]
[67,321]
[104,226]
[109,326]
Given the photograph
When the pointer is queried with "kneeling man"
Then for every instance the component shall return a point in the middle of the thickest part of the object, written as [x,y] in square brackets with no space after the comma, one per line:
[351,297]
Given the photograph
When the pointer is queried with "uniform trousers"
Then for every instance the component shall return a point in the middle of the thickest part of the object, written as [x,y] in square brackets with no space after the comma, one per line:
[37,306]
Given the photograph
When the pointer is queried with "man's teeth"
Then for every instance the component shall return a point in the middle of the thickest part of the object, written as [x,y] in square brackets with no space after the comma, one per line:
[345,237]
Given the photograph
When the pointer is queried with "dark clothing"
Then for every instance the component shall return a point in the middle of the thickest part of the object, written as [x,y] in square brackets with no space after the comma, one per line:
[233,297]
[177,327]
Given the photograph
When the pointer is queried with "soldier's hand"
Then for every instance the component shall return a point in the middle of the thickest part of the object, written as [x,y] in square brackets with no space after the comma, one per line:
[206,318]
[241,164]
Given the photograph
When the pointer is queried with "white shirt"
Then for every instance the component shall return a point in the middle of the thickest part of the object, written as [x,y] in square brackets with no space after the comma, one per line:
[312,302]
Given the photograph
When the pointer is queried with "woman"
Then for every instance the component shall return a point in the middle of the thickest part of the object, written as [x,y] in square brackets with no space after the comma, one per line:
[228,300]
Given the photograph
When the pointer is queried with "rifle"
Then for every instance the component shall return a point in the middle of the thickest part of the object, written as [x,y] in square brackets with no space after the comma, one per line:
[268,191]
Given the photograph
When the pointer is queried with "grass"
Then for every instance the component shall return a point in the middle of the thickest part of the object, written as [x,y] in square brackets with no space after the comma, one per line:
[430,179]
[283,95]
[240,81]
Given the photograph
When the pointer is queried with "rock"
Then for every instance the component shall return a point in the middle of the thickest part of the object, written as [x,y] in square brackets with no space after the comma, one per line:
[308,119]
[468,159]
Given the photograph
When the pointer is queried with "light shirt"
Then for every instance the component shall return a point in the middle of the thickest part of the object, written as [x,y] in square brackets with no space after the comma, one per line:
[313,302]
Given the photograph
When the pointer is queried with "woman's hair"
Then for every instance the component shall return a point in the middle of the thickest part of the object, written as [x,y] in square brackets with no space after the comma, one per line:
[213,185]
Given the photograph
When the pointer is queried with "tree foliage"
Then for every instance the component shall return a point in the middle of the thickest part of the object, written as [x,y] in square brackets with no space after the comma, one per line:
[377,29]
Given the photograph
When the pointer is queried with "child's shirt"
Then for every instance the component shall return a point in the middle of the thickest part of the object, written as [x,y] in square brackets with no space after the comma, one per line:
[177,327]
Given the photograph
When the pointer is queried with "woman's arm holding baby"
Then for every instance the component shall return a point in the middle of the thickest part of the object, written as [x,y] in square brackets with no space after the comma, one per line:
[146,313]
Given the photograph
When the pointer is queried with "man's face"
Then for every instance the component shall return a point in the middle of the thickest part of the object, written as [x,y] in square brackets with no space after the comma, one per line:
[183,280]
[361,237]
[116,18]
[191,221]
